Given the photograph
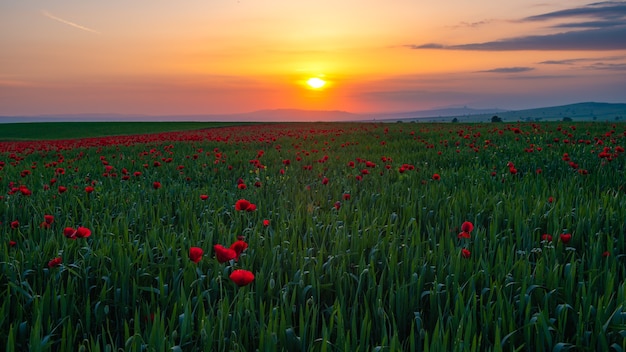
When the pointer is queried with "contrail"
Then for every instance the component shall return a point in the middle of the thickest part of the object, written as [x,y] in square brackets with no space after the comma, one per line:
[75,25]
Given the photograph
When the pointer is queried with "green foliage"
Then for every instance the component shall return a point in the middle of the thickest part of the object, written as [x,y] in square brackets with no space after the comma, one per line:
[74,130]
[381,270]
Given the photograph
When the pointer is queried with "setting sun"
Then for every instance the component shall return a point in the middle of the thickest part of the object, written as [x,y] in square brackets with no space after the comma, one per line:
[316,83]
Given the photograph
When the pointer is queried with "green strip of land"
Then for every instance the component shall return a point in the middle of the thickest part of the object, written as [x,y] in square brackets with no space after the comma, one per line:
[74,130]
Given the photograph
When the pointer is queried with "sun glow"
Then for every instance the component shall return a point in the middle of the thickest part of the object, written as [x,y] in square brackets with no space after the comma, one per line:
[316,83]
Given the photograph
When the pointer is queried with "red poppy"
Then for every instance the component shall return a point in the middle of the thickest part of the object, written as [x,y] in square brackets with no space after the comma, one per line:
[606,254]
[239,246]
[15,224]
[337,205]
[62,189]
[89,189]
[266,223]
[12,243]
[55,262]
[436,177]
[466,253]
[242,204]
[83,232]
[325,181]
[251,207]
[224,254]
[25,191]
[204,197]
[463,234]
[242,186]
[195,254]
[566,237]
[467,226]
[48,219]
[546,237]
[346,196]
[156,185]
[550,199]
[69,233]
[242,277]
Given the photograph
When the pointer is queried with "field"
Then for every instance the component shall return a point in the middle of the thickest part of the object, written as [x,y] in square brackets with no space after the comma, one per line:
[317,237]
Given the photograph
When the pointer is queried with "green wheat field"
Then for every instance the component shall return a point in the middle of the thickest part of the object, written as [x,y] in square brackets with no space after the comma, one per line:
[313,237]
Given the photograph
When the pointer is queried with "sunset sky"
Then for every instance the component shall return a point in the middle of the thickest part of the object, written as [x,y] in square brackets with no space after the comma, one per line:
[232,56]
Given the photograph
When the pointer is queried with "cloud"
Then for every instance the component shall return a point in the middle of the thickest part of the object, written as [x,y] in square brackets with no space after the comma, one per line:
[509,70]
[607,67]
[607,10]
[561,62]
[427,46]
[582,60]
[606,31]
[75,25]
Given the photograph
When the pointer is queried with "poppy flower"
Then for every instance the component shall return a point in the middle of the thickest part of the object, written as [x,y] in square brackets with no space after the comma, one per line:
[242,186]
[89,189]
[242,277]
[463,234]
[69,232]
[466,253]
[606,254]
[55,262]
[436,177]
[239,246]
[156,185]
[223,254]
[62,189]
[565,237]
[346,196]
[83,232]
[15,224]
[195,254]
[48,219]
[204,197]
[467,226]
[337,205]
[242,204]
[266,223]
[12,243]
[546,237]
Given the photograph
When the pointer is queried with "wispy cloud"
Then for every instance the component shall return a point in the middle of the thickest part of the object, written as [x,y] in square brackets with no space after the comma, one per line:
[601,26]
[69,23]
[582,60]
[509,70]
[609,67]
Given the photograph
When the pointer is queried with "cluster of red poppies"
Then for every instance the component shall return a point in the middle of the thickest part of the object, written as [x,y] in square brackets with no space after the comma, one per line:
[466,228]
[240,277]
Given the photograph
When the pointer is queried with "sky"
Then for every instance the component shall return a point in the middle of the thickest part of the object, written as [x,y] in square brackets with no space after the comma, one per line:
[162,57]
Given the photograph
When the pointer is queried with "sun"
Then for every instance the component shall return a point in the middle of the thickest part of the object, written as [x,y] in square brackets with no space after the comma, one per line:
[316,83]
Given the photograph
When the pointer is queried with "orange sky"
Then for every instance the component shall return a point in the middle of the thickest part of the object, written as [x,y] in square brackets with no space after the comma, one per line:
[223,56]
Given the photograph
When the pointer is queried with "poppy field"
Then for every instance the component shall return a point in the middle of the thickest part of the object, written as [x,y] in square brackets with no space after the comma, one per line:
[317,237]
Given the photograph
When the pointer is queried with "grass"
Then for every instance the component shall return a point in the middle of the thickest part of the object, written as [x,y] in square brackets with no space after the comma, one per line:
[75,130]
[361,252]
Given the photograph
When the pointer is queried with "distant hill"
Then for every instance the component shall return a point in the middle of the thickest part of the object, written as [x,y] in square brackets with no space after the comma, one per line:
[590,111]
[436,113]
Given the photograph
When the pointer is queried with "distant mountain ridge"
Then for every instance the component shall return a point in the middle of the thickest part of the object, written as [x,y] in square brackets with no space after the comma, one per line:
[577,111]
